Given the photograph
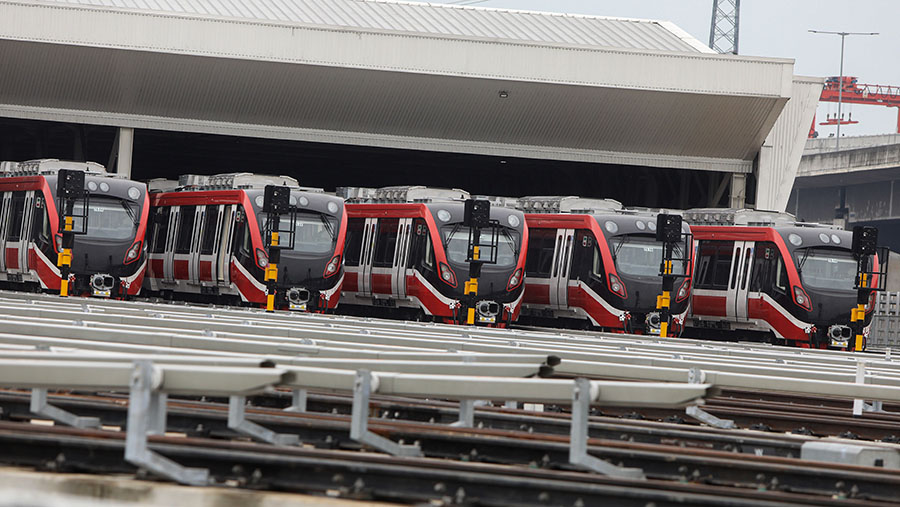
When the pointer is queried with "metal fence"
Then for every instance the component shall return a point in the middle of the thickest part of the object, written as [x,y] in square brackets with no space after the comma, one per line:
[885,330]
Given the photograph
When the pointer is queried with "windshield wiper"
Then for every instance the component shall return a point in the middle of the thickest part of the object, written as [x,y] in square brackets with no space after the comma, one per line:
[803,260]
[447,239]
[512,242]
[619,247]
[328,226]
[131,214]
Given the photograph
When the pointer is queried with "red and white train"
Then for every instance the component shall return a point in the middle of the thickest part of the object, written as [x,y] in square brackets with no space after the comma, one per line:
[107,261]
[766,273]
[207,242]
[407,251]
[593,262]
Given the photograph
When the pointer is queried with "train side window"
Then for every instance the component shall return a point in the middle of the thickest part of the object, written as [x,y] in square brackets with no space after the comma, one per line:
[540,252]
[17,207]
[735,264]
[781,276]
[429,251]
[385,242]
[355,227]
[185,232]
[748,257]
[160,230]
[210,226]
[421,253]
[241,242]
[765,267]
[713,264]
[40,224]
[582,254]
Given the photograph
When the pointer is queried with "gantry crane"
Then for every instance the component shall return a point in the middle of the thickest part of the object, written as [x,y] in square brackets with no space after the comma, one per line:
[847,89]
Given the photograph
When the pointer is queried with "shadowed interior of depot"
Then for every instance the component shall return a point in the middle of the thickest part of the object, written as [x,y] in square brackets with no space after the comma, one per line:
[160,154]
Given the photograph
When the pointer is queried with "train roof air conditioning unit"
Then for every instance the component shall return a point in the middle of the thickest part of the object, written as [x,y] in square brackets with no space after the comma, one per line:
[401,194]
[234,181]
[566,204]
[51,166]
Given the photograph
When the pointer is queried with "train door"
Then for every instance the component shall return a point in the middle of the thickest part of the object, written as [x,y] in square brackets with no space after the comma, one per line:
[169,244]
[559,270]
[739,281]
[367,253]
[184,240]
[16,247]
[5,204]
[223,252]
[194,267]
[401,257]
[384,255]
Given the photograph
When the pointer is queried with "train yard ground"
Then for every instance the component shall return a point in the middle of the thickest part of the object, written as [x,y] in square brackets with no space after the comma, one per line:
[775,426]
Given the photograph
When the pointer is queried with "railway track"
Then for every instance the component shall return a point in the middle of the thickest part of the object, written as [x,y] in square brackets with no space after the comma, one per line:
[509,457]
[379,477]
[670,459]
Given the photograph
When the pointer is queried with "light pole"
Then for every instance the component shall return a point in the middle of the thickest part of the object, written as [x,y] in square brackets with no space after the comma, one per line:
[837,144]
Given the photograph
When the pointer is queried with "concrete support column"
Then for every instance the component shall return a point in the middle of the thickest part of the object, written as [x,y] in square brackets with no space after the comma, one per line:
[738,191]
[126,147]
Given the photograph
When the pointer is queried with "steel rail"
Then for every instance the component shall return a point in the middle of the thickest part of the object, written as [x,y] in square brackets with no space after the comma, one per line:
[378,477]
[664,462]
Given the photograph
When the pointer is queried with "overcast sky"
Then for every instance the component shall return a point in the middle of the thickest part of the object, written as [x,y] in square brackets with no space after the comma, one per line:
[778,28]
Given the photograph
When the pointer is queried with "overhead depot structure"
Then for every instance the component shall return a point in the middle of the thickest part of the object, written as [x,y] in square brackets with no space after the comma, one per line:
[425,79]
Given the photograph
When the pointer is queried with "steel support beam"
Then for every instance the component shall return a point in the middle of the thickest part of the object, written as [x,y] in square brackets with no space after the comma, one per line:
[578,440]
[359,422]
[146,408]
[126,149]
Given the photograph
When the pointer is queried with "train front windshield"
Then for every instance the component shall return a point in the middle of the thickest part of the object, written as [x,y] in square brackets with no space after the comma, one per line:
[314,233]
[641,255]
[824,268]
[456,243]
[109,218]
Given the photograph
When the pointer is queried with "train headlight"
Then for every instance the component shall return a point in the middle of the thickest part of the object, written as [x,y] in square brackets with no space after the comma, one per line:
[104,186]
[514,280]
[262,260]
[616,286]
[134,193]
[133,253]
[332,207]
[683,291]
[802,298]
[333,266]
[447,275]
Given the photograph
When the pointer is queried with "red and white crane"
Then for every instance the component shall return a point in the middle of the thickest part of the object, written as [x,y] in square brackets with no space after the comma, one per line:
[848,90]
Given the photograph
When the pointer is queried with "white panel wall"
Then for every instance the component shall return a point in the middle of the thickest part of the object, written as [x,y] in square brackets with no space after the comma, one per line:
[780,155]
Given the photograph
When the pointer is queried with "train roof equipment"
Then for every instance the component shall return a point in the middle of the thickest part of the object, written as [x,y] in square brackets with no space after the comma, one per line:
[50,166]
[225,181]
[746,217]
[566,204]
[401,194]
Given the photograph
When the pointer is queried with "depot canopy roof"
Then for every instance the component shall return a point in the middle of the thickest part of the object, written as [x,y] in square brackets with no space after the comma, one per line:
[393,74]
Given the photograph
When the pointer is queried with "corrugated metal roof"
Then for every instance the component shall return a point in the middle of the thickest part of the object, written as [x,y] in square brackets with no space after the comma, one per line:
[430,19]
